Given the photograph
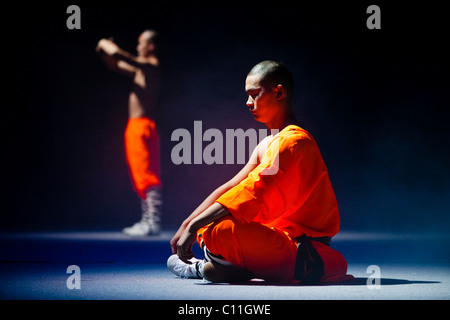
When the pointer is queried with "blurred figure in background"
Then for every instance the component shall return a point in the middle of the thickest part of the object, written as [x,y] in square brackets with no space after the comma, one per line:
[141,136]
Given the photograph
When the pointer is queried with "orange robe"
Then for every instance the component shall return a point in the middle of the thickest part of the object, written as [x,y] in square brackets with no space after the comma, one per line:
[287,195]
[142,154]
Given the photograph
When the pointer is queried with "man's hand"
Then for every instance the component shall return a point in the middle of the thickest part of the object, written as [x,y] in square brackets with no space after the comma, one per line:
[186,235]
[185,243]
[107,46]
[176,238]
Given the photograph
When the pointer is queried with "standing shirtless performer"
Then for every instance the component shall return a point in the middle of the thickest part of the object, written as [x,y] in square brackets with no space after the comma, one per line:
[141,136]
[274,220]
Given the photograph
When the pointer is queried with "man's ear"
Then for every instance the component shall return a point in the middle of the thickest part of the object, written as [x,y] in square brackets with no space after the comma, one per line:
[280,91]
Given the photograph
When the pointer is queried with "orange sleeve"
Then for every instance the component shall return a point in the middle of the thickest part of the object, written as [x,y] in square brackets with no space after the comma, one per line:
[297,197]
[264,194]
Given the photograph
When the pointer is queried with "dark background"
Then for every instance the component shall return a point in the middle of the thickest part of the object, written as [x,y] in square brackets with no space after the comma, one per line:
[375,100]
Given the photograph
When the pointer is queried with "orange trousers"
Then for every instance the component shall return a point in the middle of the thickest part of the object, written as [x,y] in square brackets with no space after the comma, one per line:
[268,253]
[142,154]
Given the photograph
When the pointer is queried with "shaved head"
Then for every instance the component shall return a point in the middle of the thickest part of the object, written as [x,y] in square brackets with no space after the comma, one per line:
[149,35]
[147,43]
[273,73]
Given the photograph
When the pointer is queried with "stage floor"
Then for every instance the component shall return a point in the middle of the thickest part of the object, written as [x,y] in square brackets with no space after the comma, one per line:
[112,266]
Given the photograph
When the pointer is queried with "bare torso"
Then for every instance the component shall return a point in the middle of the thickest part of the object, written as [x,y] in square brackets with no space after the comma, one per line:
[144,93]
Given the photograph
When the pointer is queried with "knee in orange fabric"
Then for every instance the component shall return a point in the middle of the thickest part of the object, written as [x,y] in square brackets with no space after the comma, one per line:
[220,240]
[335,265]
[268,253]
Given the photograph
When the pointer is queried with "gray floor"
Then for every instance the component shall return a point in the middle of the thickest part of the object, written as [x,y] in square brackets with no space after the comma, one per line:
[28,273]
[152,281]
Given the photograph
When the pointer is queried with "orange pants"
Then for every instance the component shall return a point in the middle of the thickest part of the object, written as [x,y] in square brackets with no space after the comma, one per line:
[268,253]
[142,154]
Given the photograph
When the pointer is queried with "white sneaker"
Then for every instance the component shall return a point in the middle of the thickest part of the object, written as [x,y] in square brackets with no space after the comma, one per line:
[143,228]
[184,270]
[150,221]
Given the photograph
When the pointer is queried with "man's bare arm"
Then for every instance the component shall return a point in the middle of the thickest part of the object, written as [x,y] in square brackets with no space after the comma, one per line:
[137,62]
[187,239]
[119,66]
[113,50]
[211,199]
[112,62]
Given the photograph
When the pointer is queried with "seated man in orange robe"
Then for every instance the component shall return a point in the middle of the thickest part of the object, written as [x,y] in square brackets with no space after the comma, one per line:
[274,220]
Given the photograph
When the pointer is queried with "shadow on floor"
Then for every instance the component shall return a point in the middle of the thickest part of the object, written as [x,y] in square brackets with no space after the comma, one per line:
[360,281]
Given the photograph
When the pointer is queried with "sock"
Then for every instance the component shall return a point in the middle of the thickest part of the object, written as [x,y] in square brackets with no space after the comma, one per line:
[212,257]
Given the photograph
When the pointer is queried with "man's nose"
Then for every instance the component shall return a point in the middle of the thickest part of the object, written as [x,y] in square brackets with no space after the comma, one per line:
[250,103]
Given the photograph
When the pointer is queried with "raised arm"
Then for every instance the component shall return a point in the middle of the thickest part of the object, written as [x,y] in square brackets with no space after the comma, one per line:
[106,49]
[113,50]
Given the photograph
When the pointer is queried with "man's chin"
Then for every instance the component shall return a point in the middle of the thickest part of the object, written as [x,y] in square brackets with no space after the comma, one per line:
[259,119]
